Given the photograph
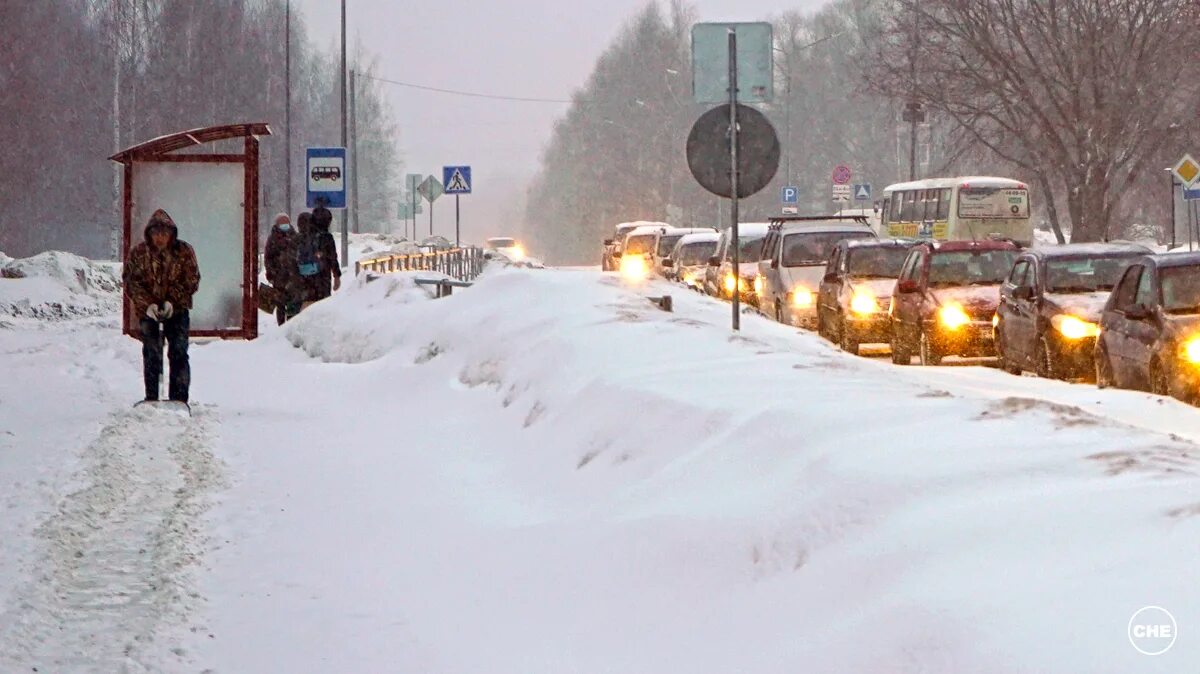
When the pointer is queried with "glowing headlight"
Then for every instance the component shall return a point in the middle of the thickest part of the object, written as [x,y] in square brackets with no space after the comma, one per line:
[953,316]
[633,267]
[1191,350]
[995,320]
[518,252]
[731,283]
[1073,327]
[758,285]
[689,278]
[802,298]
[863,303]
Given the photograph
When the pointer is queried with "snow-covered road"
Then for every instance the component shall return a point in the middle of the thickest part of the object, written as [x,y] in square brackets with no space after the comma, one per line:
[545,473]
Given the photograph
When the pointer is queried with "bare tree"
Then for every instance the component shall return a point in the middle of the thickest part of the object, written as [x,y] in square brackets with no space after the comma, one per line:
[1081,94]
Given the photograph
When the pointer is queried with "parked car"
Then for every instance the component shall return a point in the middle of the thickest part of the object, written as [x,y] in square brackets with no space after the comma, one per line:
[507,247]
[608,259]
[689,259]
[1051,303]
[635,251]
[946,297]
[856,291]
[720,280]
[666,243]
[1150,329]
[795,253]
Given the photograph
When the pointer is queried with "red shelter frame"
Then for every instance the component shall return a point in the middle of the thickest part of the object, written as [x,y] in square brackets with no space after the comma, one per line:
[160,150]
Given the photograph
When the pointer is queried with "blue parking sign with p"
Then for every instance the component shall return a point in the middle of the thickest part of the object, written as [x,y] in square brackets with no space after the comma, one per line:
[790,194]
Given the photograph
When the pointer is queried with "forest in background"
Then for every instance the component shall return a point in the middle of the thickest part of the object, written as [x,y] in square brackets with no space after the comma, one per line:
[83,79]
[1086,102]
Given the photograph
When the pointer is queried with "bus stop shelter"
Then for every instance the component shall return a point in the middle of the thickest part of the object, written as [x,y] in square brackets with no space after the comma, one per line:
[207,180]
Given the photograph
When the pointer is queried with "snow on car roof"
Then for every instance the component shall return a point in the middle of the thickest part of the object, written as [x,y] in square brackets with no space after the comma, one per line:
[647,229]
[881,243]
[689,230]
[752,228]
[825,227]
[1176,259]
[640,223]
[971,181]
[982,244]
[1089,249]
[697,237]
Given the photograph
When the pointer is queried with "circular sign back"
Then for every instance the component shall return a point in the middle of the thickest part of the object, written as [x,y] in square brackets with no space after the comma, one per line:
[708,151]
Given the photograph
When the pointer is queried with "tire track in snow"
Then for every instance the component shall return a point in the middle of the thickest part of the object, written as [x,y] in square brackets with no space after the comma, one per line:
[115,577]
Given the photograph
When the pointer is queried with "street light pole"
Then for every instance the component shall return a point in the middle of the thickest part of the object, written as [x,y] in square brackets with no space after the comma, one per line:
[287,106]
[342,83]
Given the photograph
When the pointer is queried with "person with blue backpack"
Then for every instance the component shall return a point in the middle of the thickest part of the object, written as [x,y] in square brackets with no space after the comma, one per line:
[316,256]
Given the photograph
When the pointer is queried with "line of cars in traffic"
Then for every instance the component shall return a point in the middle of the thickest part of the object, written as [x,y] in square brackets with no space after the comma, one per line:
[1114,313]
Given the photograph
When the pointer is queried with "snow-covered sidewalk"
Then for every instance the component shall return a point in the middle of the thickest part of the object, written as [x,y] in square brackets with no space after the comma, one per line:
[545,473]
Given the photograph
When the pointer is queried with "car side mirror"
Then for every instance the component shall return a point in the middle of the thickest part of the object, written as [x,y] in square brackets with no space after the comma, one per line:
[1137,312]
[907,286]
[831,277]
[714,261]
[668,262]
[609,242]
[1023,292]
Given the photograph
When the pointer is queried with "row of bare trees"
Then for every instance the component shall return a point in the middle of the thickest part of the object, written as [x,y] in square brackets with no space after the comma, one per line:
[81,79]
[1086,100]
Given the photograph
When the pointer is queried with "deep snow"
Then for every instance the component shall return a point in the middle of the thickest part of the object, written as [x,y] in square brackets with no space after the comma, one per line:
[545,473]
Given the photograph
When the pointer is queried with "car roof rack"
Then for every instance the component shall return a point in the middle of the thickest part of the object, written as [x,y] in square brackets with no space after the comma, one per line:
[782,219]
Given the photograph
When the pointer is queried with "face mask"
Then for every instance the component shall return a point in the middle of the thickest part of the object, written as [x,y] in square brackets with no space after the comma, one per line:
[285,227]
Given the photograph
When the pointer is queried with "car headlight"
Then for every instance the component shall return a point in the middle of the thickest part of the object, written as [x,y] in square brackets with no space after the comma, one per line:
[953,316]
[802,298]
[996,320]
[633,267]
[863,303]
[1073,327]
[518,252]
[689,278]
[758,285]
[731,283]
[1191,350]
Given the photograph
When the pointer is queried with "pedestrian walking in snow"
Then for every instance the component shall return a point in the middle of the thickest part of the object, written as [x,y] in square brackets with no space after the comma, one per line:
[161,276]
[317,258]
[279,258]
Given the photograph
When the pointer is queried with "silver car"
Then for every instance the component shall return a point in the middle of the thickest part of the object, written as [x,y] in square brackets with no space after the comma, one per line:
[794,256]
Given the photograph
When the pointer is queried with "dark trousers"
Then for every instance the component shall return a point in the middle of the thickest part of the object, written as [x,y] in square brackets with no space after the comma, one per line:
[175,329]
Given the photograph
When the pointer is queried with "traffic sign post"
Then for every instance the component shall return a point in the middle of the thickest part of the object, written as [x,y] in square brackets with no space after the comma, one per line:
[862,192]
[789,194]
[431,189]
[411,182]
[841,193]
[1187,170]
[714,67]
[457,180]
[841,175]
[325,184]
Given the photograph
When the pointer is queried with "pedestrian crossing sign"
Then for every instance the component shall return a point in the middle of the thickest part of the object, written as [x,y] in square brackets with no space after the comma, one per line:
[457,179]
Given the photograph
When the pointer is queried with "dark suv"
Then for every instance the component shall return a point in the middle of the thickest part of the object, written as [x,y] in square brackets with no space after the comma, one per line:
[1150,330]
[1050,306]
[946,298]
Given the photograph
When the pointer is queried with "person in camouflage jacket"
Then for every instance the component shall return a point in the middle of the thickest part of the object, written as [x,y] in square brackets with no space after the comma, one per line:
[161,276]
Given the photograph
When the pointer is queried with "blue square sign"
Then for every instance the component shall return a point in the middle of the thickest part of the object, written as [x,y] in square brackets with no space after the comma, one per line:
[790,194]
[325,177]
[456,179]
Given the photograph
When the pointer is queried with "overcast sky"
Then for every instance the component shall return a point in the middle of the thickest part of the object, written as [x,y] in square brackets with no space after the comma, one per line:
[530,48]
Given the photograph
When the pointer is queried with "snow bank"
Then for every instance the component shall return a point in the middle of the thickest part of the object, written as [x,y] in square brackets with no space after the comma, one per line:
[683,499]
[55,286]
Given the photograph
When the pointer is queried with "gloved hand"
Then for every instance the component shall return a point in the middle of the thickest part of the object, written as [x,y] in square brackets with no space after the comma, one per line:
[152,312]
[337,282]
[167,311]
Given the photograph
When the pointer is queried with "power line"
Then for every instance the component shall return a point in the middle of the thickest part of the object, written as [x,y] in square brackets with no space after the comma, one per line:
[473,94]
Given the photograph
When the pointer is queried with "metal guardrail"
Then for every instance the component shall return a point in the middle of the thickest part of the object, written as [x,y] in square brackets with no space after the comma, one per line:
[464,263]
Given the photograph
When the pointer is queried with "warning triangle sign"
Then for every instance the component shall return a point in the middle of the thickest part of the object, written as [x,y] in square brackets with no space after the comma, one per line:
[457,183]
[863,192]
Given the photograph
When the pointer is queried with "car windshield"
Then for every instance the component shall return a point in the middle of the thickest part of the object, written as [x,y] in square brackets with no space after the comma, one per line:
[1181,289]
[970,267]
[696,253]
[750,249]
[639,245]
[811,248]
[1088,274]
[876,261]
[502,243]
[666,243]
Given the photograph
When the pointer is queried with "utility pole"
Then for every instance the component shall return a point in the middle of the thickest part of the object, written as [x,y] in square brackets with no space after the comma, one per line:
[287,106]
[342,82]
[354,151]
[913,112]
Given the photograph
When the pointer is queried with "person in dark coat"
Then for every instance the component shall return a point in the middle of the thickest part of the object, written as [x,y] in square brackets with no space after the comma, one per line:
[318,259]
[279,258]
[161,276]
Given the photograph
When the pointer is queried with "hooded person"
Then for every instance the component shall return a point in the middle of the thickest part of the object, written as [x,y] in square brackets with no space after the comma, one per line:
[279,258]
[161,277]
[317,257]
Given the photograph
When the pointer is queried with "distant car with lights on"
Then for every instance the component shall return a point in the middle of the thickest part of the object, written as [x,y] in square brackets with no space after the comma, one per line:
[856,291]
[946,297]
[1051,303]
[508,247]
[1150,329]
[720,278]
[665,243]
[689,258]
[635,251]
[794,255]
[609,258]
